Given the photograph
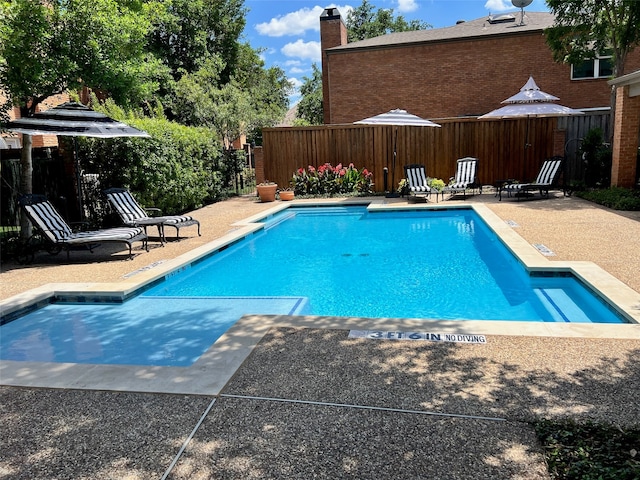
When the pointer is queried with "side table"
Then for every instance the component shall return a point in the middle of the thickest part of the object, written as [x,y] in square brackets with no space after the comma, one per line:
[157,221]
[500,184]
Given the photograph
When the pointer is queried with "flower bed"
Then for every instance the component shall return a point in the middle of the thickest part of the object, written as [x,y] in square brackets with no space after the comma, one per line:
[330,180]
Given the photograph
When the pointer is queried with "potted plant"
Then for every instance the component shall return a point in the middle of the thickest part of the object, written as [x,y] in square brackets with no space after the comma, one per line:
[403,187]
[286,194]
[436,184]
[267,191]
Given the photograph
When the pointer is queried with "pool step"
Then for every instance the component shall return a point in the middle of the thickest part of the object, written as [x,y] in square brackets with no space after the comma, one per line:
[561,307]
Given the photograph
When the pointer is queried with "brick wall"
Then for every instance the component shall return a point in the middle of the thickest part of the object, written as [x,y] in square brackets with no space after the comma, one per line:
[625,138]
[451,78]
[333,32]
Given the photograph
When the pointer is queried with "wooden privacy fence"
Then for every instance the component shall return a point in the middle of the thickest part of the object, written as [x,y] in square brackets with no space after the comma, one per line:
[498,144]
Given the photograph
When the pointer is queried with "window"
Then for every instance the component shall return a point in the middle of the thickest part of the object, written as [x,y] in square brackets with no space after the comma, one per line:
[599,67]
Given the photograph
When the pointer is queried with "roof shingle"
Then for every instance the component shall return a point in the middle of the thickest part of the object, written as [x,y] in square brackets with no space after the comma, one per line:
[481,27]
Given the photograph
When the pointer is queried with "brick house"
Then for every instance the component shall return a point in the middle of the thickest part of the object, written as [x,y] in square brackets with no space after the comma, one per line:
[626,130]
[463,70]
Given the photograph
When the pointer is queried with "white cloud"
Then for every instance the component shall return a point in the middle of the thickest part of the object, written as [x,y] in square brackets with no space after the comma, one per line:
[294,23]
[498,5]
[297,83]
[302,49]
[297,70]
[407,6]
[298,22]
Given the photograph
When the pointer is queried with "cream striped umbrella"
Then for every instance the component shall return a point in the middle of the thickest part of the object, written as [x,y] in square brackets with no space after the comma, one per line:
[398,118]
[529,102]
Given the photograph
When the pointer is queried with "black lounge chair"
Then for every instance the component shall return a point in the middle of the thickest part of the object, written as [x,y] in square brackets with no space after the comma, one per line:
[417,181]
[465,178]
[131,213]
[547,177]
[46,219]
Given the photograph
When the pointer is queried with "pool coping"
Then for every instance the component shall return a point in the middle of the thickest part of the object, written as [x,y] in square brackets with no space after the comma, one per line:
[215,367]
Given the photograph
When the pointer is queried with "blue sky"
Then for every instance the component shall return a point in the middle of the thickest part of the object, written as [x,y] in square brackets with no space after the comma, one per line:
[289,30]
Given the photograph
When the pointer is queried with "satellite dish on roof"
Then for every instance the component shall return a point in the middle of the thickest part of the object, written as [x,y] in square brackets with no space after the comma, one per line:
[521,4]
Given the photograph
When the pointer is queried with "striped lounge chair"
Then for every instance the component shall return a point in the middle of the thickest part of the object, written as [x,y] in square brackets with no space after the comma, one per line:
[549,173]
[46,219]
[131,213]
[465,178]
[417,181]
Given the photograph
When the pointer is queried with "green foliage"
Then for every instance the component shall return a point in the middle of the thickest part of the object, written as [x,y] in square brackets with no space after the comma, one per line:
[179,168]
[367,22]
[614,197]
[584,28]
[435,184]
[310,109]
[257,98]
[191,32]
[51,47]
[216,80]
[329,180]
[589,451]
[403,187]
[597,157]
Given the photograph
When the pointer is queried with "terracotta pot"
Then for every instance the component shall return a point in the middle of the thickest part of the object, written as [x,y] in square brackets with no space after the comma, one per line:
[267,193]
[286,195]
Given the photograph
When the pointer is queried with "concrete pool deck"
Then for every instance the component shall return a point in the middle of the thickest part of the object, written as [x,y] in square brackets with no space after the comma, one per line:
[308,400]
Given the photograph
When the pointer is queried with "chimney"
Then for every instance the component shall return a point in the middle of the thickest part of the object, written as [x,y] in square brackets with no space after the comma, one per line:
[333,33]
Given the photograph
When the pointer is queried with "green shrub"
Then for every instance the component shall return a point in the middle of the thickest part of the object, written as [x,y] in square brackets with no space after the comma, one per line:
[435,184]
[614,197]
[597,157]
[589,451]
[329,180]
[173,170]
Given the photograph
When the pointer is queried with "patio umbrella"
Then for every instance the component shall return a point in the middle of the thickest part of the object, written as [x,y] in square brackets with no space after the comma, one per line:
[531,102]
[398,118]
[74,119]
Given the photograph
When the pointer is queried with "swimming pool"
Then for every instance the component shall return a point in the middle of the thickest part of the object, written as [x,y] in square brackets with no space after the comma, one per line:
[343,261]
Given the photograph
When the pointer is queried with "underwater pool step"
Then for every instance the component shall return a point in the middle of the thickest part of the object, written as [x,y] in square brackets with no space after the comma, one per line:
[561,307]
[260,305]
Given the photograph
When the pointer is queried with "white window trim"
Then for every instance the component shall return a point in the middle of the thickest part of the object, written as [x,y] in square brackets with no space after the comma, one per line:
[596,68]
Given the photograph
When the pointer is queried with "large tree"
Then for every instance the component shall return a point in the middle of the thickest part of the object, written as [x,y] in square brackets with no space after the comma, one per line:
[310,110]
[253,98]
[51,47]
[586,28]
[193,33]
[366,21]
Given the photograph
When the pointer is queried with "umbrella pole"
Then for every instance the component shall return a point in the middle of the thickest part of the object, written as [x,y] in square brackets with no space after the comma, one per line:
[526,149]
[392,193]
[78,178]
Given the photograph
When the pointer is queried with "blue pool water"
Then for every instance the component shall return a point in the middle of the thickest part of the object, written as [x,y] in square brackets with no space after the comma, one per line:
[339,261]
